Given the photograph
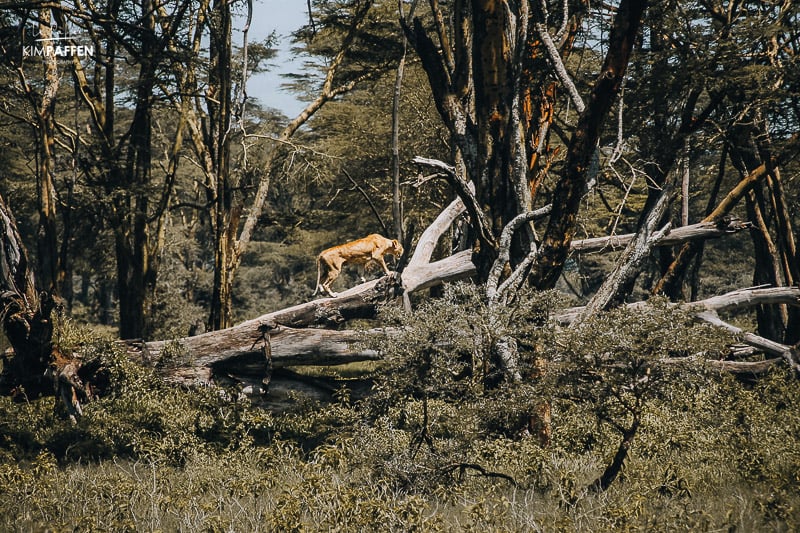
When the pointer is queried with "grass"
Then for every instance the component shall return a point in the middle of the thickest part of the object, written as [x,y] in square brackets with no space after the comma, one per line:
[276,489]
[716,455]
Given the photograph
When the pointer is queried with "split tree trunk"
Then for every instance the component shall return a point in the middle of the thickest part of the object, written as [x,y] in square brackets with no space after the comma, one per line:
[569,189]
[26,317]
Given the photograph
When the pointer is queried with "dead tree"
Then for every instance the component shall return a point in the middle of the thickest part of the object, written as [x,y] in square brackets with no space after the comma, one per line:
[245,354]
[32,367]
[296,335]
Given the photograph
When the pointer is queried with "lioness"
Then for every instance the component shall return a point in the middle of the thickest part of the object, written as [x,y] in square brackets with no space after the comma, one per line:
[366,251]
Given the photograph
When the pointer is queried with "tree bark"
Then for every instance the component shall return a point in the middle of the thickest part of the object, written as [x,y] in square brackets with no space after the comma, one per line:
[226,209]
[569,189]
[25,317]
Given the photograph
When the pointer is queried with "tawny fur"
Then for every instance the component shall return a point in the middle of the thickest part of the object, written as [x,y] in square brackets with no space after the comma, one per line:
[366,251]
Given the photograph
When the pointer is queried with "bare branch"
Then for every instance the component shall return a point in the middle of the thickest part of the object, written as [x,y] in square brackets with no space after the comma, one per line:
[504,251]
[558,64]
[629,264]
[767,346]
[466,192]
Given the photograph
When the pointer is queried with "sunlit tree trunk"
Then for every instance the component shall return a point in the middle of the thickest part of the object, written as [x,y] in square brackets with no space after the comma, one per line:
[42,98]
[47,237]
[226,208]
[569,189]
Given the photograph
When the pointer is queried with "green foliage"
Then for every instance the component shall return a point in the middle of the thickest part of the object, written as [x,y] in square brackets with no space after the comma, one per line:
[712,453]
[446,350]
[137,416]
[617,362]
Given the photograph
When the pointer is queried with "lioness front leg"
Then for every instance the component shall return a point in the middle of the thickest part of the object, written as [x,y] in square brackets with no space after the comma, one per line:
[382,263]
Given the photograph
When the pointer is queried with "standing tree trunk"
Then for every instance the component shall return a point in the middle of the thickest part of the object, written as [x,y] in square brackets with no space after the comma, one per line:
[569,189]
[43,103]
[47,237]
[226,209]
[397,201]
[480,77]
[136,260]
[25,318]
[210,146]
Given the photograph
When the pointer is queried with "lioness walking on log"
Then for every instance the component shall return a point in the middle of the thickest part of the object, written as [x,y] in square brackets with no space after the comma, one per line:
[366,251]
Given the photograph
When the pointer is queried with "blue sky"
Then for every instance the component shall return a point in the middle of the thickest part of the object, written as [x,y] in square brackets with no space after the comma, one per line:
[283,17]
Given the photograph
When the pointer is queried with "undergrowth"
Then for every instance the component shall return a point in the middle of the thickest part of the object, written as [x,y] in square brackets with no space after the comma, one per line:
[713,453]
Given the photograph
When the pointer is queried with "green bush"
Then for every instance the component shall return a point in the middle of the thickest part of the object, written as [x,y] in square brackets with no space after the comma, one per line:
[711,453]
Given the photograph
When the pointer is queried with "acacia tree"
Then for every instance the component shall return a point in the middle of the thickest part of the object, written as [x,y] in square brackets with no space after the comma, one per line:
[491,74]
[134,200]
[753,47]
[341,40]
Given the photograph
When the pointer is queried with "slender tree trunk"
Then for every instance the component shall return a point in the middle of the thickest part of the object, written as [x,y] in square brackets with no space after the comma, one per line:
[712,201]
[397,200]
[226,206]
[44,132]
[136,272]
[771,322]
[47,235]
[232,242]
[749,152]
[569,189]
[615,467]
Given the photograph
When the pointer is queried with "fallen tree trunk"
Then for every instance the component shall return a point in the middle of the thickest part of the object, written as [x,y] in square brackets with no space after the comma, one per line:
[25,317]
[32,367]
[246,352]
[694,232]
[730,301]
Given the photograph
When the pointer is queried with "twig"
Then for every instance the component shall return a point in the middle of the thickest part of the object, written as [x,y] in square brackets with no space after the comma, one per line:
[369,201]
[463,467]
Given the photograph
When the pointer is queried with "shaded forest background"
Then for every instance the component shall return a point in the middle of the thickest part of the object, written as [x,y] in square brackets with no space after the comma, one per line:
[157,199]
[103,220]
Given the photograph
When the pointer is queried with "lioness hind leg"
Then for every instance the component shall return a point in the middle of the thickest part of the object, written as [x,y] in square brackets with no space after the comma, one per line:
[326,285]
[329,292]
